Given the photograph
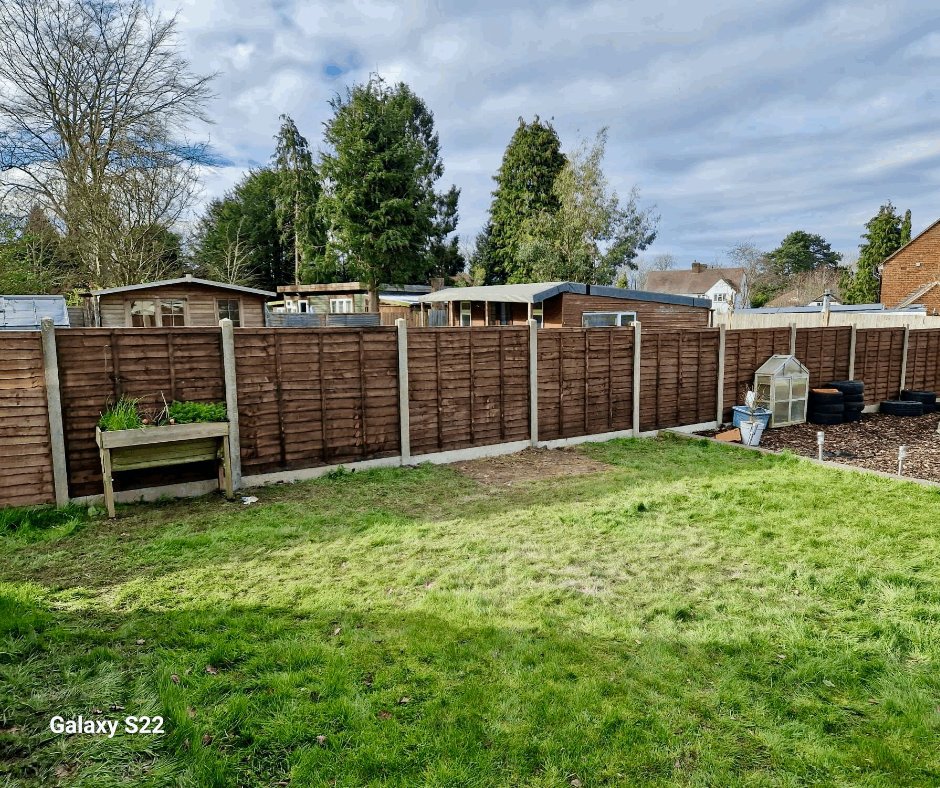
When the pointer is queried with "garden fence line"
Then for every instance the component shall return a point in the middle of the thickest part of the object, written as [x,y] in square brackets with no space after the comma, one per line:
[302,401]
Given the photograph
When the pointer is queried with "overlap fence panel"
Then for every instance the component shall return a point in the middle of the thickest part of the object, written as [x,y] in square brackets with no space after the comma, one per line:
[824,352]
[879,356]
[745,351]
[585,381]
[678,378]
[25,451]
[98,366]
[468,387]
[923,360]
[311,397]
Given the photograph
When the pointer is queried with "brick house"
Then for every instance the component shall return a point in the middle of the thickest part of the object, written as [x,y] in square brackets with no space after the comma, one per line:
[912,274]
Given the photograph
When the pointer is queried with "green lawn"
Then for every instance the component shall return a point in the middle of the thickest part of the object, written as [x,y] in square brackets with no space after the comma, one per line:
[694,615]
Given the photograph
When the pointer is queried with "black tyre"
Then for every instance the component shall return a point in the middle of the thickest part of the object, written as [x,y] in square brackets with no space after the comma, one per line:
[902,408]
[826,408]
[852,416]
[848,386]
[854,408]
[822,397]
[855,398]
[824,418]
[928,398]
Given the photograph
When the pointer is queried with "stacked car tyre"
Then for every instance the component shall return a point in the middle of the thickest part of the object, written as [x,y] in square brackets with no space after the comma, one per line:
[853,392]
[826,406]
[900,407]
[927,398]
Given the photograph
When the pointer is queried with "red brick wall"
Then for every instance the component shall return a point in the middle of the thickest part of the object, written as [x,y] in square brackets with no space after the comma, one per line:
[916,264]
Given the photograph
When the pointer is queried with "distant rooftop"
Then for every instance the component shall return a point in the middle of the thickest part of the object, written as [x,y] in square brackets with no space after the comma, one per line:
[536,292]
[698,279]
[325,288]
[183,280]
[25,312]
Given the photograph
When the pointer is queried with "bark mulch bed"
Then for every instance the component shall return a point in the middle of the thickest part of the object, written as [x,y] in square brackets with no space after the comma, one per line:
[872,443]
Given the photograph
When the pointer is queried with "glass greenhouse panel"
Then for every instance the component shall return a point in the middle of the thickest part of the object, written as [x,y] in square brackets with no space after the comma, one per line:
[782,386]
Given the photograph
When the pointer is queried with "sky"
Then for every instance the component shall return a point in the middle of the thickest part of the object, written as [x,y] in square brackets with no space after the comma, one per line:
[739,120]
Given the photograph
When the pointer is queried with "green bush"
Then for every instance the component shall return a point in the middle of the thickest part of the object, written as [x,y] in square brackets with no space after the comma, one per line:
[123,416]
[196,412]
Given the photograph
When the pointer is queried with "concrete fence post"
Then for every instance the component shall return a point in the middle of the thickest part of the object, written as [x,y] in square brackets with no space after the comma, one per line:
[637,336]
[722,336]
[907,340]
[231,400]
[533,382]
[404,407]
[50,365]
[852,342]
[792,339]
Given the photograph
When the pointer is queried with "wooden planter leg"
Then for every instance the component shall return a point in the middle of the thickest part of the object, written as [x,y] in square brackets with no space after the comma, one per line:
[108,483]
[227,470]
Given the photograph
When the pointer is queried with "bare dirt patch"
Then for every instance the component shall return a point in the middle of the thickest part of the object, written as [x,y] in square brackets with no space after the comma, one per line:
[529,466]
[872,443]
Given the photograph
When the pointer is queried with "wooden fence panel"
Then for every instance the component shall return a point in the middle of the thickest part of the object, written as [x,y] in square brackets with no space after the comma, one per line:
[678,378]
[745,351]
[311,397]
[468,387]
[824,352]
[97,366]
[585,381]
[879,356]
[923,360]
[25,448]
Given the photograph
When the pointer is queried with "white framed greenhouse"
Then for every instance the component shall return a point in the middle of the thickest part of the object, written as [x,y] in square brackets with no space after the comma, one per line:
[782,387]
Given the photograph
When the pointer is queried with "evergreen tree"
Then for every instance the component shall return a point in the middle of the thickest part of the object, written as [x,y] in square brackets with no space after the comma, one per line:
[481,257]
[298,189]
[884,235]
[591,234]
[238,240]
[801,251]
[906,228]
[444,258]
[379,174]
[524,190]
[33,258]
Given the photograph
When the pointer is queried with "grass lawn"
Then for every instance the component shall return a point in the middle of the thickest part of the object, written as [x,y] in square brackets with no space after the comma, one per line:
[691,615]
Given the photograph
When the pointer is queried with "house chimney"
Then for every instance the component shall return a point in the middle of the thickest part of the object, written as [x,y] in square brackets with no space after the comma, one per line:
[437,283]
[698,267]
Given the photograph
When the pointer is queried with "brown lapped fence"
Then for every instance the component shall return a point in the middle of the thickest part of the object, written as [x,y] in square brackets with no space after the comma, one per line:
[309,398]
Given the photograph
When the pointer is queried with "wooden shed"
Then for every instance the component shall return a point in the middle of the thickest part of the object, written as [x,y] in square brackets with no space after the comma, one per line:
[186,301]
[568,304]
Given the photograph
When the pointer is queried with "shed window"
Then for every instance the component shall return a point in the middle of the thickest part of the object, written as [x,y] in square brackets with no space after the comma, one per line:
[607,319]
[229,309]
[537,315]
[143,314]
[341,306]
[465,318]
[173,313]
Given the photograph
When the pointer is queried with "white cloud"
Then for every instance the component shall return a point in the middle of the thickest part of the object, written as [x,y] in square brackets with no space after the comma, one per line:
[738,119]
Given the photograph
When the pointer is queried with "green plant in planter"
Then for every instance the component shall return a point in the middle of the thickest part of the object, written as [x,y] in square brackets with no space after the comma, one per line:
[122,416]
[196,412]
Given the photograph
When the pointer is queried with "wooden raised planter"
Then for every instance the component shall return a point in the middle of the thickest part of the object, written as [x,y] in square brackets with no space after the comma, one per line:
[152,447]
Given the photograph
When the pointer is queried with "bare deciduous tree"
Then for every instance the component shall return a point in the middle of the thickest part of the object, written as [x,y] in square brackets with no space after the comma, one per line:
[95,101]
[233,263]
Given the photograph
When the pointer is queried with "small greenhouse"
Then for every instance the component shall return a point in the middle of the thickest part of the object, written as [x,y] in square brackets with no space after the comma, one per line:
[782,386]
